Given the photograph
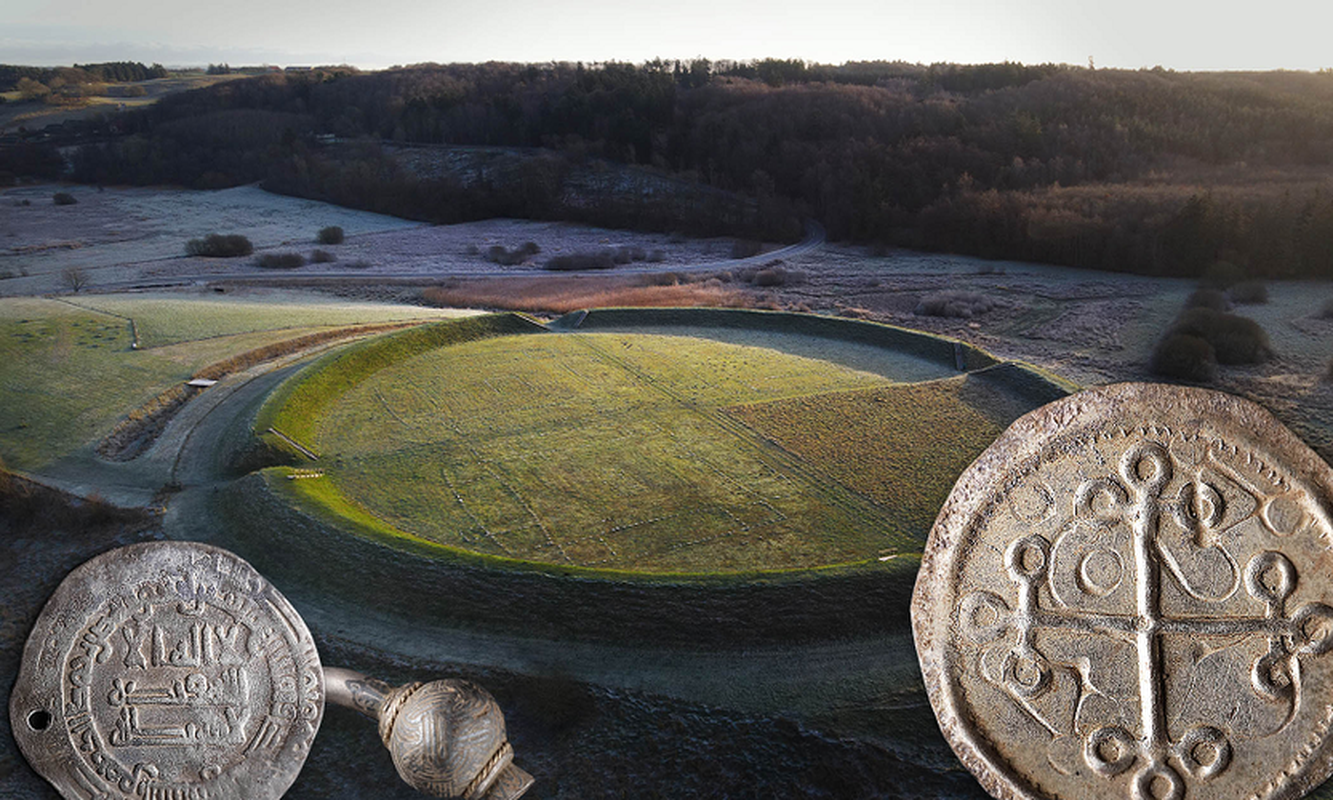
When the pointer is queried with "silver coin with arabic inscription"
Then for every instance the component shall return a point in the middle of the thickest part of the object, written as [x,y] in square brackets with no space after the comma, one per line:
[1130,595]
[168,671]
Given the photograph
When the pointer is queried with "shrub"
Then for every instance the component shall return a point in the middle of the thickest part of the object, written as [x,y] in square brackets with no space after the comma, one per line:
[953,304]
[744,248]
[774,276]
[1207,297]
[1186,357]
[663,279]
[1249,293]
[1235,339]
[322,257]
[64,199]
[1326,310]
[216,245]
[281,260]
[656,257]
[331,235]
[498,254]
[596,259]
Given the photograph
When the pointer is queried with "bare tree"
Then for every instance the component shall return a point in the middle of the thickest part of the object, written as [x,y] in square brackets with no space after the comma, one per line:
[75,279]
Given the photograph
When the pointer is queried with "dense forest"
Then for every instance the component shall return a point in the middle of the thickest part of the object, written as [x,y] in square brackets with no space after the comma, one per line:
[1148,171]
[107,72]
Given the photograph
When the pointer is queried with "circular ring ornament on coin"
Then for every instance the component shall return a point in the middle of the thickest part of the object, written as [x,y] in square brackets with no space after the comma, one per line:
[175,671]
[1130,595]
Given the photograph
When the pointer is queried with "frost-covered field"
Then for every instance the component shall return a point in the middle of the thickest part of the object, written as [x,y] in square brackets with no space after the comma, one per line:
[121,236]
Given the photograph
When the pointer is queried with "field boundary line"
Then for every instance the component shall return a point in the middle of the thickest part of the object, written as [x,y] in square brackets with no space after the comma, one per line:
[305,451]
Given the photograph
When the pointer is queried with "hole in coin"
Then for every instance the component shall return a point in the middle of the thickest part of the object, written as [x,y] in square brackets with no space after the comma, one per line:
[39,720]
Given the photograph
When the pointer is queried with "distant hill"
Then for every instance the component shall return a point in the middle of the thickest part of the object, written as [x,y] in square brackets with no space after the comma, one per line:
[1149,171]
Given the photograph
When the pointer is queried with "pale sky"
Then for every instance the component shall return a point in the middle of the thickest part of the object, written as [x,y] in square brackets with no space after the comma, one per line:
[1178,34]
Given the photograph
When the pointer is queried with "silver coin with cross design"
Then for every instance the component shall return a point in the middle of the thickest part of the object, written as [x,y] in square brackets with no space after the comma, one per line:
[1130,595]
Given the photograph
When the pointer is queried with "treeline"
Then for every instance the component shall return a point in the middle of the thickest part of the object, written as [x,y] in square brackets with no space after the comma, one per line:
[1102,168]
[106,72]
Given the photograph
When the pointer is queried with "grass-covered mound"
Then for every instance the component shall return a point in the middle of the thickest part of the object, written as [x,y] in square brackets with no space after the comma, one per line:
[615,450]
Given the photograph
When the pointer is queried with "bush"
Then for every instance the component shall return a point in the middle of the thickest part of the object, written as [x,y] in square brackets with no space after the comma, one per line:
[216,245]
[331,235]
[656,257]
[1186,357]
[1210,298]
[1326,310]
[322,257]
[774,276]
[953,304]
[1249,293]
[498,254]
[597,259]
[1235,339]
[281,260]
[64,199]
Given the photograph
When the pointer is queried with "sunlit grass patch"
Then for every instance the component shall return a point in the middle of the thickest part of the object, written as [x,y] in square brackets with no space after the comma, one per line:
[590,450]
[902,445]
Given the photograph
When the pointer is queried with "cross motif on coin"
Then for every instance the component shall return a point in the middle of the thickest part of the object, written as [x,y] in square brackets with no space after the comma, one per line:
[1136,498]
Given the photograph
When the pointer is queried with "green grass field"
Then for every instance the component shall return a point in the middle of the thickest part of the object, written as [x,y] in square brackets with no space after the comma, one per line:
[170,319]
[621,451]
[901,445]
[68,373]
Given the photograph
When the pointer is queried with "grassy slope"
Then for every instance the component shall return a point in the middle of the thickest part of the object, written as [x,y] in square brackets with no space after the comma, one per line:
[163,320]
[598,450]
[68,374]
